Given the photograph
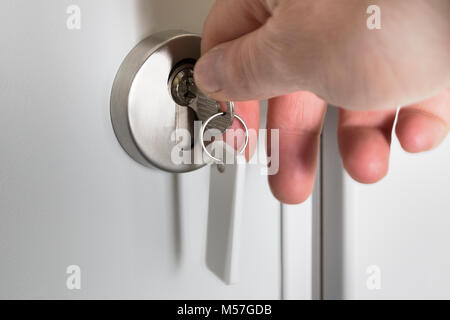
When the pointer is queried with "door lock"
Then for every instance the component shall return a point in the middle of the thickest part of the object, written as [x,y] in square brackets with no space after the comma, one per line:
[144,113]
[154,95]
[181,84]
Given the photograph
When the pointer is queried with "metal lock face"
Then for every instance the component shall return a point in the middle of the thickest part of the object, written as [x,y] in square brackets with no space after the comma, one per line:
[144,113]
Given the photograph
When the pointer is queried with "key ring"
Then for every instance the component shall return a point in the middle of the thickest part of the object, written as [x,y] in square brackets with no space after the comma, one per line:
[202,133]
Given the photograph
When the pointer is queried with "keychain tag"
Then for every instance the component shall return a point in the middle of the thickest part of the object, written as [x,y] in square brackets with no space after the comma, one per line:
[226,200]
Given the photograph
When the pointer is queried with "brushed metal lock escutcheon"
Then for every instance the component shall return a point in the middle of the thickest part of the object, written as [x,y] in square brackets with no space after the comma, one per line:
[143,114]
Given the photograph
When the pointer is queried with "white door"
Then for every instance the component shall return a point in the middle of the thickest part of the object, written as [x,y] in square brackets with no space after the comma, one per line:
[71,197]
[73,203]
[389,240]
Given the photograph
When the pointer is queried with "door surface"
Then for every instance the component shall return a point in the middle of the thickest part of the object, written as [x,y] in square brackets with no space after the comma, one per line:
[389,240]
[70,195]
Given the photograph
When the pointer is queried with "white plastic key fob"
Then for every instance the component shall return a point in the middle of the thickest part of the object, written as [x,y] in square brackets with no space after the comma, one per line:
[226,195]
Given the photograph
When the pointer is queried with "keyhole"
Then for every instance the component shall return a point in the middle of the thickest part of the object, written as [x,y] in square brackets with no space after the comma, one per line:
[181,83]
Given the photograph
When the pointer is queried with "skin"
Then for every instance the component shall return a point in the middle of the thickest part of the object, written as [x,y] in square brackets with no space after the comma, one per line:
[305,54]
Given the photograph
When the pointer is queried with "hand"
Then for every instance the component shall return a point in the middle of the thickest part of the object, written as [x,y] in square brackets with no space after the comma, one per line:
[295,51]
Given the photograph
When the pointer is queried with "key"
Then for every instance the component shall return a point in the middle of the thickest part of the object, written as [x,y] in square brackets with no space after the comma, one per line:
[185,92]
[227,174]
[207,107]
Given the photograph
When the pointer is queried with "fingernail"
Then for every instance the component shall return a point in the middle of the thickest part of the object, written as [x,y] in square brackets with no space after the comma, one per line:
[208,71]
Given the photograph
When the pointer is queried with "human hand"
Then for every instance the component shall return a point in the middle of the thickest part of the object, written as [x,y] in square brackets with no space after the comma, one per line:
[295,51]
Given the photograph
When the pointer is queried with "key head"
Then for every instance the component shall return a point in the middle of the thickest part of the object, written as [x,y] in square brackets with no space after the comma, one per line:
[207,107]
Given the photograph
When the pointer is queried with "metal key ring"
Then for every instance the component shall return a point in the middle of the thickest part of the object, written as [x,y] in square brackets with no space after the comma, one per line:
[202,133]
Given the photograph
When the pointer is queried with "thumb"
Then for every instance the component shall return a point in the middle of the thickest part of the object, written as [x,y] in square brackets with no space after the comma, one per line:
[250,67]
